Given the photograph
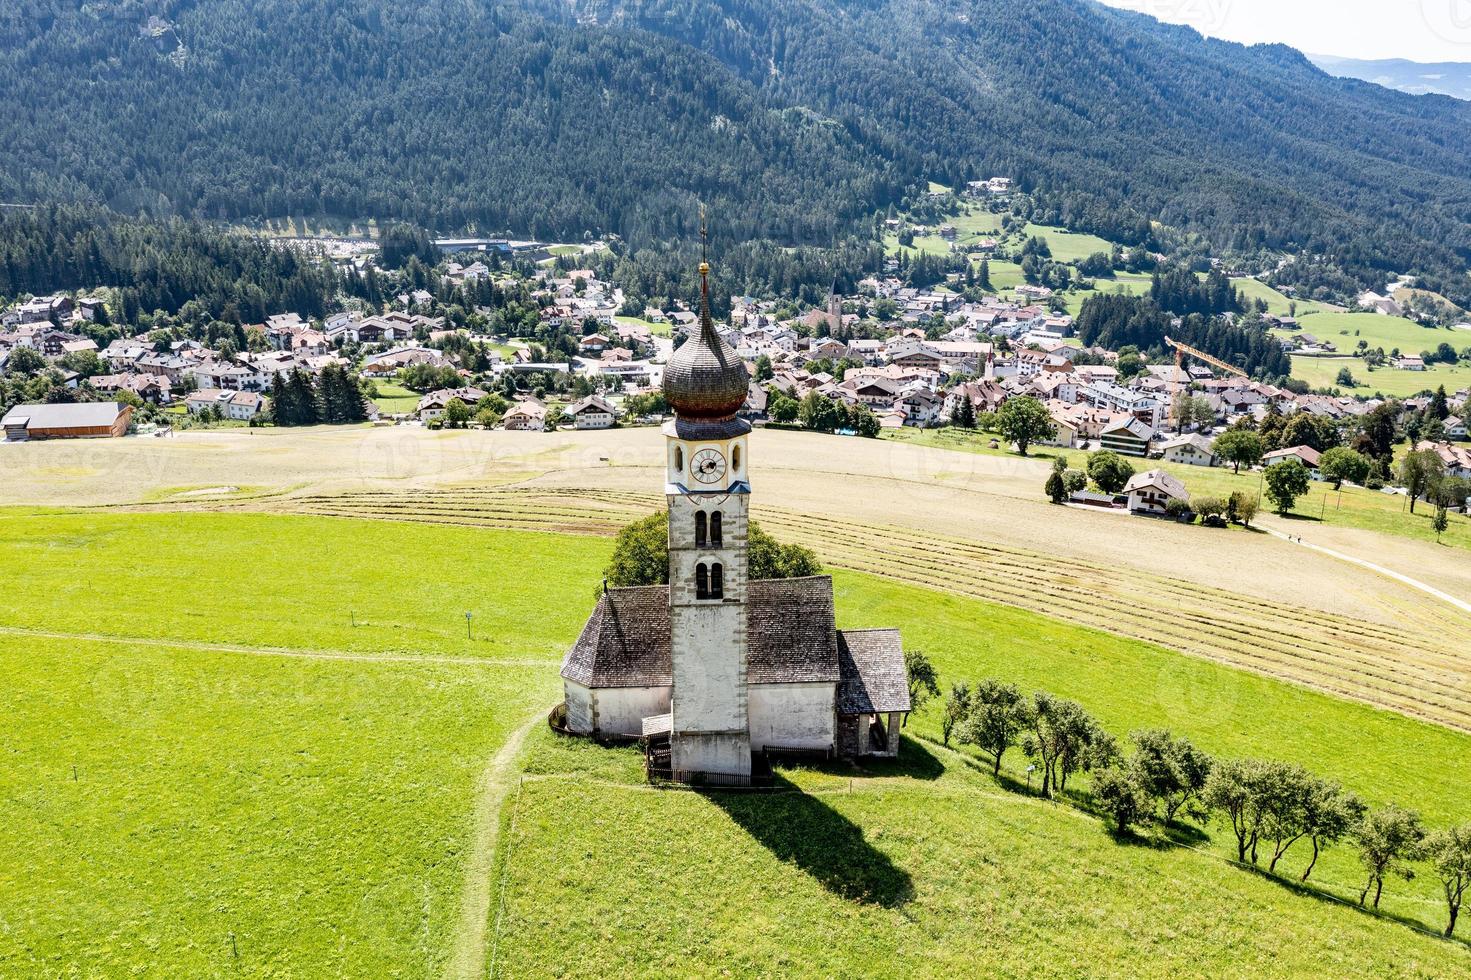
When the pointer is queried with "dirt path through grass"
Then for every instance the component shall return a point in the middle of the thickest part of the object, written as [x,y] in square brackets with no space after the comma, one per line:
[265,651]
[468,958]
[1413,583]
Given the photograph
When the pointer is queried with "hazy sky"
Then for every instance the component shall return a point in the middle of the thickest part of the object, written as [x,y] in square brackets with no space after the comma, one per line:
[1420,30]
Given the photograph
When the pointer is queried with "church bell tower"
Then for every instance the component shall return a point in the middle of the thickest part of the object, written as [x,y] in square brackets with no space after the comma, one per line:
[706,384]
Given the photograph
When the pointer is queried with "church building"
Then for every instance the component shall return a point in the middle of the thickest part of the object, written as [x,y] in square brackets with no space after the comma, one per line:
[714,669]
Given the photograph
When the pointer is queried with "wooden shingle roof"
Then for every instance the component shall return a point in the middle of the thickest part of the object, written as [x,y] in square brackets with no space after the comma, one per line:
[791,638]
[873,676]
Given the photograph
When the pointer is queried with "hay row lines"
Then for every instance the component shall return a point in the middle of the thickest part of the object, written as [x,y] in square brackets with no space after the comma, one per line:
[1372,636]
[1361,660]
[1439,627]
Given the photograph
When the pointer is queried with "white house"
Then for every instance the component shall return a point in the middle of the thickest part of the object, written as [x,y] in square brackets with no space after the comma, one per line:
[526,417]
[241,406]
[1306,455]
[1193,450]
[1150,492]
[591,413]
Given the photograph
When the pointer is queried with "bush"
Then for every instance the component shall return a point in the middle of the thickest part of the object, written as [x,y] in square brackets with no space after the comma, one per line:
[1177,508]
[1209,506]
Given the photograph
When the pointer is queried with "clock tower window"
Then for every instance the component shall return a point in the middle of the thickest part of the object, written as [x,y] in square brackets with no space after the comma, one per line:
[702,581]
[700,535]
[717,581]
[715,541]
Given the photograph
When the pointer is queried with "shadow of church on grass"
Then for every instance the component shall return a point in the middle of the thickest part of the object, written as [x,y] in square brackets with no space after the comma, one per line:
[802,829]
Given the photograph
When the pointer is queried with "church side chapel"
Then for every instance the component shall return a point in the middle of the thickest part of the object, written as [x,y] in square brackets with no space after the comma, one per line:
[715,670]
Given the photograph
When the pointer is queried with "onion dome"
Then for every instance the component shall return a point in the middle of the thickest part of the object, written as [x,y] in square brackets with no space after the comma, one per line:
[705,379]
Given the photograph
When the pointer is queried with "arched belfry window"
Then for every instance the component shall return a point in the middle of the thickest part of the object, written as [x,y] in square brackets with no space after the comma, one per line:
[678,459]
[735,459]
[700,535]
[717,581]
[715,530]
[702,581]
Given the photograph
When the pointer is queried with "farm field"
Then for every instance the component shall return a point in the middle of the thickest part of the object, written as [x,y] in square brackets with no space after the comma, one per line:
[271,772]
[1345,330]
[1322,372]
[1352,507]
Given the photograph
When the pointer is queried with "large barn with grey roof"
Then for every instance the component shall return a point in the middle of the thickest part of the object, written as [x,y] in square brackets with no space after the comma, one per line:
[715,670]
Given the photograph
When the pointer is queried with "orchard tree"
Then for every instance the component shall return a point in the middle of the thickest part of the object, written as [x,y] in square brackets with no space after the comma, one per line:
[957,710]
[1341,463]
[1286,481]
[1389,839]
[1419,472]
[1171,770]
[1024,420]
[1450,853]
[1239,447]
[1330,813]
[999,714]
[1065,739]
[924,681]
[1121,794]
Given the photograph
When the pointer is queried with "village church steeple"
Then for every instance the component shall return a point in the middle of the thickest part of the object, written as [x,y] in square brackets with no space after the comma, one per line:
[708,494]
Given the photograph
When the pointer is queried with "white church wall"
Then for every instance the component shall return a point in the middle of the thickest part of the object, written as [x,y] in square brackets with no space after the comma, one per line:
[793,716]
[621,710]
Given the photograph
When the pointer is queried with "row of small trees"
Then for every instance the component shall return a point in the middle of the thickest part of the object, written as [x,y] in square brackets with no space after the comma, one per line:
[1270,806]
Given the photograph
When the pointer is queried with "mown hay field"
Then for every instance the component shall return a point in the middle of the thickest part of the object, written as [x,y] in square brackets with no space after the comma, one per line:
[1344,655]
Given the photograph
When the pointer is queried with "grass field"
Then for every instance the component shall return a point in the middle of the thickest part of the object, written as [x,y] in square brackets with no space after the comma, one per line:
[251,799]
[1277,303]
[209,767]
[395,399]
[663,329]
[1322,372]
[1069,246]
[1345,330]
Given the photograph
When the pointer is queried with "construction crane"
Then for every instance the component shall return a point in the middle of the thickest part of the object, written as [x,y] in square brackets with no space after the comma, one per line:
[1180,351]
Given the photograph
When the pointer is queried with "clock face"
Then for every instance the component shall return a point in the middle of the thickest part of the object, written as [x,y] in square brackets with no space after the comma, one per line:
[708,465]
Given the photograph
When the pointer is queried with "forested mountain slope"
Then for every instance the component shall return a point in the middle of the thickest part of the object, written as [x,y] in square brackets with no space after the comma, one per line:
[794,118]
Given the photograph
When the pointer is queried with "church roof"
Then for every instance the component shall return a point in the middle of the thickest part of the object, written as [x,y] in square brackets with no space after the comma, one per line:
[790,633]
[874,678]
[705,378]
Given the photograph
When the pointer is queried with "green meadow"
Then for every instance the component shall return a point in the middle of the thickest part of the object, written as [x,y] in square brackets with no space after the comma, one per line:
[1322,372]
[247,743]
[394,399]
[1277,303]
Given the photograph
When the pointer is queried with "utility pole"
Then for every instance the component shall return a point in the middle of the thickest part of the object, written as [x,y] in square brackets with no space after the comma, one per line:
[469,633]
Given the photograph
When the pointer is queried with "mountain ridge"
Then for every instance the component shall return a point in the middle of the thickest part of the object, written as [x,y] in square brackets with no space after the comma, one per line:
[796,119]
